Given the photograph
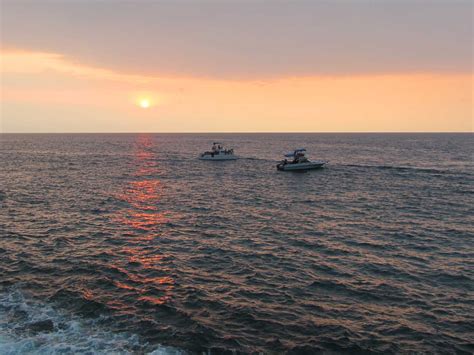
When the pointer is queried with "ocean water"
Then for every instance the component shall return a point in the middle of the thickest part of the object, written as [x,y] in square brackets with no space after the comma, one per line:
[126,243]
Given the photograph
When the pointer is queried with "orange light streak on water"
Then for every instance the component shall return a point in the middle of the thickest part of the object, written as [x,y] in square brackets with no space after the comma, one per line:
[143,218]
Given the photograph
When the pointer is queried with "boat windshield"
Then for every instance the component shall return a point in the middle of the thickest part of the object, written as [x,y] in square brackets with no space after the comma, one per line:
[295,153]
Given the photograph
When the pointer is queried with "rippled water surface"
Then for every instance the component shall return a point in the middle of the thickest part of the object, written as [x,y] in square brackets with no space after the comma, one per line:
[127,243]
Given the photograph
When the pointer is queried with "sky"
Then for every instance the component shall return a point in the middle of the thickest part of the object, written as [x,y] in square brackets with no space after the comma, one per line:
[236,66]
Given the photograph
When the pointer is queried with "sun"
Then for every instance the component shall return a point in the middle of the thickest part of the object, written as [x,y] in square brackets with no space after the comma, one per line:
[144,103]
[146,99]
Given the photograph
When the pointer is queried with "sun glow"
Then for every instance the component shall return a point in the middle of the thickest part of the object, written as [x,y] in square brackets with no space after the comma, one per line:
[144,103]
[146,100]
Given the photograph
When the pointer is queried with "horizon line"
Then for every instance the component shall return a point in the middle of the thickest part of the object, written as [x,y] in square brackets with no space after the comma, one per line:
[254,132]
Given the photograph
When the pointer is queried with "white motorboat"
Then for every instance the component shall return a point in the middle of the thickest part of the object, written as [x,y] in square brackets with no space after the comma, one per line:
[299,162]
[218,152]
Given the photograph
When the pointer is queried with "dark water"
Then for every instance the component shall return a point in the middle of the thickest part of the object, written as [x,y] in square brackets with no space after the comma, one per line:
[128,243]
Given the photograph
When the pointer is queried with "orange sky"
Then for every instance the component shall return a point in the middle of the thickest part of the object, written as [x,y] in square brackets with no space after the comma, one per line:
[236,66]
[45,92]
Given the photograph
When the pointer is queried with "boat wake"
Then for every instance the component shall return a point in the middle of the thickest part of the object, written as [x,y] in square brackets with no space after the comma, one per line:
[406,168]
[30,326]
[258,159]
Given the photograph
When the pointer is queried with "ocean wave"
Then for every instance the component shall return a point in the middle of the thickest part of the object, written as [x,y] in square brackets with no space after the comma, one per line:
[138,243]
[29,326]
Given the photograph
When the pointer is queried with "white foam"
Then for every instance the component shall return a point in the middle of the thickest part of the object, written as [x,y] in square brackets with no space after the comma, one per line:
[70,334]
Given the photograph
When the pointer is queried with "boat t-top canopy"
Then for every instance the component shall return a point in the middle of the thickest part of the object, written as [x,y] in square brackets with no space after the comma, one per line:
[296,151]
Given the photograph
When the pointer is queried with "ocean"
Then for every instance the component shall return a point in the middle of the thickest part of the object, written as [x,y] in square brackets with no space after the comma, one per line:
[127,243]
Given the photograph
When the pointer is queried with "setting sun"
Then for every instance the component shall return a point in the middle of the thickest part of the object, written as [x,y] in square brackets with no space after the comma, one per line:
[144,103]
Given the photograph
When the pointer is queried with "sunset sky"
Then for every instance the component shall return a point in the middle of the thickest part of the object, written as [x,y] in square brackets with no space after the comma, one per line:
[236,66]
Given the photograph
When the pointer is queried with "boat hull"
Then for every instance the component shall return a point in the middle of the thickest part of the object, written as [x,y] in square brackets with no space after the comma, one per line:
[218,157]
[301,166]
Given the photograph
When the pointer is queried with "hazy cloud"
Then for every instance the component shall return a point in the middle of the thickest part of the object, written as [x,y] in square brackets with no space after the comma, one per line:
[248,39]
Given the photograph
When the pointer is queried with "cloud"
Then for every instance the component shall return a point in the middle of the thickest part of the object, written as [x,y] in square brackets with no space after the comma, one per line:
[28,62]
[248,39]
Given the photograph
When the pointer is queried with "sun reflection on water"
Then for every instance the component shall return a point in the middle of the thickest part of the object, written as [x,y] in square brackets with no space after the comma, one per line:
[143,219]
